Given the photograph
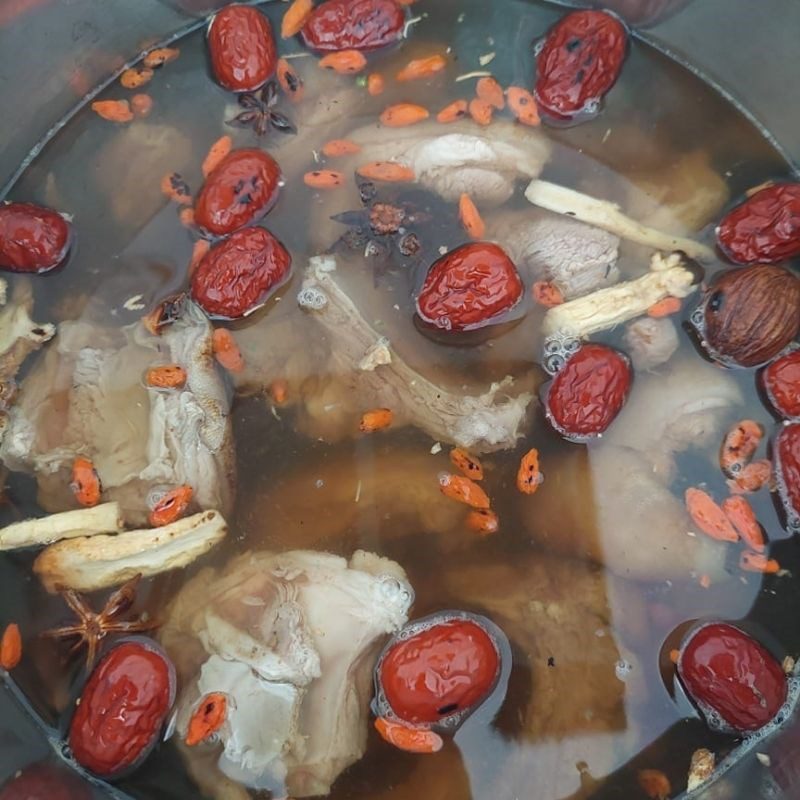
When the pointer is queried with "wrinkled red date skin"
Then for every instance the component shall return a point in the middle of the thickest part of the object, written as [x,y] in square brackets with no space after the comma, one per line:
[243,187]
[242,48]
[237,276]
[440,671]
[32,238]
[725,670]
[353,25]
[786,449]
[45,782]
[469,288]
[781,381]
[588,392]
[579,61]
[122,709]
[765,229]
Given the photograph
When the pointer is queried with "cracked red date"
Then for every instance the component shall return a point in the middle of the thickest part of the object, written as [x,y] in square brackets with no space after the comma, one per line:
[588,392]
[354,25]
[469,288]
[242,48]
[765,228]
[237,276]
[734,680]
[122,709]
[578,62]
[243,187]
[32,238]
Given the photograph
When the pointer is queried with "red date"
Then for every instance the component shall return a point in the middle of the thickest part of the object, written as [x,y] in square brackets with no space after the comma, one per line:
[786,450]
[353,25]
[765,228]
[578,62]
[45,781]
[588,392]
[243,187]
[781,381]
[730,675]
[237,276]
[469,287]
[438,669]
[242,48]
[32,238]
[122,709]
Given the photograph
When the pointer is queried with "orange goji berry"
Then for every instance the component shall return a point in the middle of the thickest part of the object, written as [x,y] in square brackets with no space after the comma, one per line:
[481,111]
[216,153]
[404,737]
[483,521]
[709,517]
[758,562]
[199,252]
[470,217]
[324,179]
[291,83]
[664,308]
[113,110]
[175,187]
[421,68]
[388,171]
[523,106]
[171,506]
[490,91]
[739,446]
[743,519]
[528,475]
[161,56]
[186,216]
[466,464]
[402,114]
[141,104]
[340,147]
[375,84]
[752,478]
[376,420]
[464,490]
[654,784]
[345,62]
[226,351]
[85,483]
[295,17]
[135,77]
[10,647]
[279,391]
[547,294]
[169,376]
[208,718]
[458,109]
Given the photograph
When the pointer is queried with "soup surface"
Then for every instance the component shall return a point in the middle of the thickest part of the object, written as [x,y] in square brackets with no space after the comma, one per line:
[593,577]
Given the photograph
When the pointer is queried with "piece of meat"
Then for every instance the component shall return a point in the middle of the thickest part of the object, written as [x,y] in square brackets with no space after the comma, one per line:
[490,421]
[292,640]
[463,157]
[87,397]
[548,247]
[650,342]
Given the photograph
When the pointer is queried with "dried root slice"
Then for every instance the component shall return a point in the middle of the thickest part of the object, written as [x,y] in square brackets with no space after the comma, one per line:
[669,276]
[98,562]
[700,769]
[85,522]
[606,215]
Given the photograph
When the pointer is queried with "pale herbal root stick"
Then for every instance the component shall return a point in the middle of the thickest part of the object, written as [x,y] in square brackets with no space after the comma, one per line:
[606,215]
[669,276]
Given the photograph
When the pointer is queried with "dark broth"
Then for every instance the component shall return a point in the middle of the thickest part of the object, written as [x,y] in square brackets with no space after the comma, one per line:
[131,243]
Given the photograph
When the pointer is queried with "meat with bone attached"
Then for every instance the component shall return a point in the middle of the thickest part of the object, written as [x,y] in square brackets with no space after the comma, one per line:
[292,640]
[87,397]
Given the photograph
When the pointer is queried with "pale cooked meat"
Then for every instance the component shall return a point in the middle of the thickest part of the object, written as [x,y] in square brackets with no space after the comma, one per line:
[576,257]
[650,342]
[292,639]
[87,397]
[463,157]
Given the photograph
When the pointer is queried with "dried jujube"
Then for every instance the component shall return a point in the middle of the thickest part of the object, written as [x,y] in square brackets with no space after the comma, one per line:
[765,228]
[781,381]
[242,48]
[734,680]
[353,25]
[122,708]
[32,238]
[786,455]
[588,392]
[469,287]
[748,315]
[243,187]
[238,275]
[578,61]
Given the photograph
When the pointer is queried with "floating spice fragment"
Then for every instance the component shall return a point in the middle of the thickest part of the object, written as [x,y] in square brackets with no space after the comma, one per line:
[113,110]
[376,420]
[466,464]
[529,478]
[85,483]
[260,113]
[464,490]
[708,516]
[208,718]
[10,647]
[701,768]
[345,62]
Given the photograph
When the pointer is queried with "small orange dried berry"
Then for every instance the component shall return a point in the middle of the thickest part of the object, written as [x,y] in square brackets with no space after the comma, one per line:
[481,111]
[654,784]
[490,91]
[753,477]
[113,110]
[171,506]
[345,62]
[226,351]
[547,294]
[279,391]
[709,517]
[466,464]
[141,105]
[375,84]
[401,115]
[135,77]
[168,376]
[85,483]
[483,521]
[324,179]
[470,217]
[163,55]
[376,420]
[216,153]
[186,216]
[464,490]
[528,475]
[458,109]
[199,251]
[10,647]
[758,562]
[523,106]
[295,17]
[340,147]
[175,187]
[291,83]
[387,171]
[739,446]
[743,518]
[664,308]
[208,718]
[421,68]
[404,737]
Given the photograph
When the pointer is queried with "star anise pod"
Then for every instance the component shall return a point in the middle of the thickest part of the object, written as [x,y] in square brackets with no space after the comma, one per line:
[260,113]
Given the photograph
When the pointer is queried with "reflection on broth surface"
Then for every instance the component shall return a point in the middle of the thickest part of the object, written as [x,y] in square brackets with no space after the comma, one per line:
[593,577]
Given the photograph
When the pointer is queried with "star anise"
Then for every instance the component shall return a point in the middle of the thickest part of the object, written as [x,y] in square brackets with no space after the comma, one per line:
[92,627]
[260,113]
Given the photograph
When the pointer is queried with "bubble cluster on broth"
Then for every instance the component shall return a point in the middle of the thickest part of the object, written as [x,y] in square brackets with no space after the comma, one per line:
[380,374]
